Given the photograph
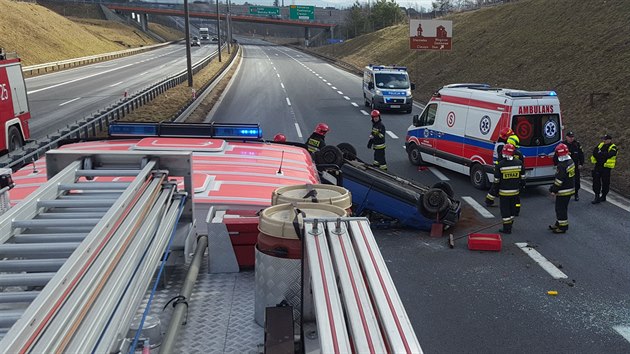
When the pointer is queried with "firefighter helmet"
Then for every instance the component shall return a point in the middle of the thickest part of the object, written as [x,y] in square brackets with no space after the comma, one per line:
[562,150]
[514,140]
[508,150]
[505,133]
[375,113]
[279,138]
[321,128]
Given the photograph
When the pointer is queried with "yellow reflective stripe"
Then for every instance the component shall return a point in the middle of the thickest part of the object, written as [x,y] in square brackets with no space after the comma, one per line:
[565,192]
[379,147]
[490,196]
[563,222]
[508,193]
[510,168]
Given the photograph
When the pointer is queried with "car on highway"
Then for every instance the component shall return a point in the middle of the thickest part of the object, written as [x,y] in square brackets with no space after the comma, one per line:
[215,39]
[195,42]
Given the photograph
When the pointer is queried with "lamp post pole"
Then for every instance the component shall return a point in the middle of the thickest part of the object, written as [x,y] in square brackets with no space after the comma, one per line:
[188,60]
[219,30]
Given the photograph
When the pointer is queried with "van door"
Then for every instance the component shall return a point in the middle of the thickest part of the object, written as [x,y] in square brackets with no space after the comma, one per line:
[538,134]
[424,136]
[449,142]
[368,87]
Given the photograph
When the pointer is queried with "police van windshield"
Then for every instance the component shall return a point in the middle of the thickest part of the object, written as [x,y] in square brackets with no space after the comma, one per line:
[537,129]
[392,81]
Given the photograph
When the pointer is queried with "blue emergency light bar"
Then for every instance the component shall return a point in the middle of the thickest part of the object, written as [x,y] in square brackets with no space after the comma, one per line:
[245,131]
[530,93]
[388,67]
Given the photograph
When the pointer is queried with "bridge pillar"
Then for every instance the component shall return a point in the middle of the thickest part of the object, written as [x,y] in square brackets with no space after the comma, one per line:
[144,21]
[307,35]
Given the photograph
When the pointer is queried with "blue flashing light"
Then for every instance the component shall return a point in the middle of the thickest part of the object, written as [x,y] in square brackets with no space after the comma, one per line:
[246,131]
[553,93]
[236,131]
[133,129]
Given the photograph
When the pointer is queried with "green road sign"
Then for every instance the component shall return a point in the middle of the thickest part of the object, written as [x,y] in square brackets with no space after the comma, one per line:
[300,12]
[264,10]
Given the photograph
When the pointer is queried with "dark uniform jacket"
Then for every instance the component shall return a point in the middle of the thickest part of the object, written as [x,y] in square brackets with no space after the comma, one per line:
[315,142]
[378,135]
[576,152]
[507,176]
[564,184]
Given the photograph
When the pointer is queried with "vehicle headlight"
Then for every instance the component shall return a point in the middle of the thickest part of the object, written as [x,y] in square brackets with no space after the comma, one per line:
[379,92]
[408,92]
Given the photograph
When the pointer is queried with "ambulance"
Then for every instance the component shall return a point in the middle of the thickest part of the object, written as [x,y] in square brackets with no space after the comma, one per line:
[387,87]
[460,125]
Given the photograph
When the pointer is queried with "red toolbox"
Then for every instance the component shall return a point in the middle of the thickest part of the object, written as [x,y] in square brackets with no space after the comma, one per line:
[484,242]
[242,225]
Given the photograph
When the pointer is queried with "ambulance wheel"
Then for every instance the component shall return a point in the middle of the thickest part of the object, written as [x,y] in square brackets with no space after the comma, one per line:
[414,155]
[478,177]
[348,151]
[446,187]
[434,204]
[329,155]
[15,139]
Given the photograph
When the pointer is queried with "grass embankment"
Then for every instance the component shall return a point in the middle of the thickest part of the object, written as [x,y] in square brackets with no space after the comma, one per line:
[576,48]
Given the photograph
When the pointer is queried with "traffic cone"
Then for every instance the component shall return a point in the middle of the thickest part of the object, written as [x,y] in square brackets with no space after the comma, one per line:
[194,94]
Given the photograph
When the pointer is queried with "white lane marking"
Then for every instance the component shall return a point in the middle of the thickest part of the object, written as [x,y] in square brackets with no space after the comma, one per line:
[346,98]
[288,102]
[144,73]
[365,113]
[72,100]
[334,88]
[624,331]
[116,84]
[542,261]
[78,79]
[438,174]
[339,92]
[278,75]
[324,80]
[612,197]
[281,84]
[354,104]
[274,68]
[329,84]
[480,209]
[392,135]
[299,132]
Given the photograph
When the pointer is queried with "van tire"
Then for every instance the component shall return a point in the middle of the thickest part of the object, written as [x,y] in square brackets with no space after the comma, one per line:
[14,140]
[329,155]
[478,177]
[434,204]
[446,187]
[414,155]
[348,151]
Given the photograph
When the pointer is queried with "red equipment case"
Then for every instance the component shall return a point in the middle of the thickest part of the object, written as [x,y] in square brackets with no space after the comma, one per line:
[484,242]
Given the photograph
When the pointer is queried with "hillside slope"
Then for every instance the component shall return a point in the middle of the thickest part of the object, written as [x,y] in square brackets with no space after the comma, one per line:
[574,47]
[40,35]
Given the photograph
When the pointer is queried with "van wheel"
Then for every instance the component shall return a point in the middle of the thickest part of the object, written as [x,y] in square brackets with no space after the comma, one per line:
[329,155]
[414,155]
[433,204]
[15,139]
[349,152]
[478,177]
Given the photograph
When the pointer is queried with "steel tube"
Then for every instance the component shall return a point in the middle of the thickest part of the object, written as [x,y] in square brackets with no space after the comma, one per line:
[31,265]
[23,279]
[18,296]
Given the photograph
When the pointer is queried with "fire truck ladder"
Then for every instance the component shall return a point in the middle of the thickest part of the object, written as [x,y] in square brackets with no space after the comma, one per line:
[77,255]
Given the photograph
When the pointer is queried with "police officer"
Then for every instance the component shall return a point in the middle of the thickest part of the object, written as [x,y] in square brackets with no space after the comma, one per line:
[604,157]
[577,155]
[377,140]
[507,181]
[562,188]
[317,141]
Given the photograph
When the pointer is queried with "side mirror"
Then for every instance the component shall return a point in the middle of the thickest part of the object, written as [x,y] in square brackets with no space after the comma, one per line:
[370,85]
[413,86]
[416,120]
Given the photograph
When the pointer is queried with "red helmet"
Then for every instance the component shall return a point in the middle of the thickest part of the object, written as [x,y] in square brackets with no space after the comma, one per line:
[279,138]
[508,150]
[375,113]
[562,150]
[506,132]
[321,128]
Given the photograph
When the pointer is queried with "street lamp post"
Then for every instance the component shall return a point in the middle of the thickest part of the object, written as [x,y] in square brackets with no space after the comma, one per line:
[219,30]
[188,60]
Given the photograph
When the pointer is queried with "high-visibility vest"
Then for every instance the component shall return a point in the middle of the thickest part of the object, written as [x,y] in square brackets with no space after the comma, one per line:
[610,163]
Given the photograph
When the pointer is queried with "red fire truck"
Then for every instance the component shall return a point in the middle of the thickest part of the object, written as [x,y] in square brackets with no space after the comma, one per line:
[14,112]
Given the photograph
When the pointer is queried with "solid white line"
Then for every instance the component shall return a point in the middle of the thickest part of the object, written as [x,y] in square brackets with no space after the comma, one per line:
[116,84]
[339,92]
[365,113]
[354,104]
[612,197]
[438,174]
[481,210]
[299,132]
[624,331]
[288,102]
[346,98]
[542,261]
[392,135]
[72,100]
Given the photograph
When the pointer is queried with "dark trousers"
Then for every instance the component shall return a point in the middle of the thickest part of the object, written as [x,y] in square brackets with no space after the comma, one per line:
[379,157]
[562,212]
[601,181]
[577,178]
[507,205]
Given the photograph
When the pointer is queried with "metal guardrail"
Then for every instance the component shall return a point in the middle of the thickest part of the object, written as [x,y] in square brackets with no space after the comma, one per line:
[90,126]
[58,65]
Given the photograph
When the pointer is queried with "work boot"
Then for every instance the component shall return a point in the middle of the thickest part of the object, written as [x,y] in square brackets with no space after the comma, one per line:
[603,198]
[559,231]
[596,200]
[505,230]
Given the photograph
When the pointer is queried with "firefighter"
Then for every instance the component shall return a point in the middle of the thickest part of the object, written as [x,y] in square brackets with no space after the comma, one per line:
[279,138]
[317,141]
[563,188]
[377,140]
[604,157]
[577,155]
[506,136]
[507,181]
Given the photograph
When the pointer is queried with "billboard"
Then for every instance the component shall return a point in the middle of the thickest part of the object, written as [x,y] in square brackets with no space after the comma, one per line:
[264,10]
[301,12]
[430,34]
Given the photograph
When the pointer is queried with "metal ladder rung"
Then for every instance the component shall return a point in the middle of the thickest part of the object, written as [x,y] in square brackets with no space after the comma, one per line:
[78,210]
[54,238]
[70,215]
[16,250]
[9,317]
[25,279]
[94,186]
[18,296]
[107,173]
[33,223]
[75,203]
[81,196]
[31,265]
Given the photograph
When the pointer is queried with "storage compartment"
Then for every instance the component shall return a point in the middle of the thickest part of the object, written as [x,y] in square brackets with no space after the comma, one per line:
[484,242]
[242,226]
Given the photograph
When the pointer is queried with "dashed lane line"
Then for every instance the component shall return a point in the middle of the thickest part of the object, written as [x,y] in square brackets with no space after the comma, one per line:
[72,100]
[365,113]
[288,101]
[299,132]
[391,134]
[542,261]
[354,104]
[480,209]
[438,174]
[346,98]
[624,331]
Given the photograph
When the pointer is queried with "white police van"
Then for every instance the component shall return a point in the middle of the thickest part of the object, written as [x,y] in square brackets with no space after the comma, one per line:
[387,87]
